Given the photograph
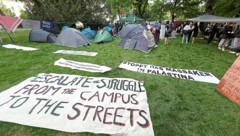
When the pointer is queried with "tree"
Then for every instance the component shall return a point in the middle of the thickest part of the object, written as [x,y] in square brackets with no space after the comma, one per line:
[7,11]
[230,8]
[209,7]
[140,6]
[182,8]
[67,12]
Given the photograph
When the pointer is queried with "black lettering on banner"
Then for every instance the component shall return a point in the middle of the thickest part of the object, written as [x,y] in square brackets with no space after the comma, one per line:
[58,106]
[134,100]
[106,114]
[78,112]
[117,115]
[88,109]
[96,95]
[25,87]
[98,110]
[132,115]
[103,84]
[146,124]
[85,83]
[111,95]
[13,97]
[53,79]
[14,105]
[39,101]
[127,100]
[48,106]
[38,89]
[117,95]
[81,95]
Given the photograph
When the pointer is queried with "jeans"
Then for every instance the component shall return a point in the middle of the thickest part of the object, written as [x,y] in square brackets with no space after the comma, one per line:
[185,38]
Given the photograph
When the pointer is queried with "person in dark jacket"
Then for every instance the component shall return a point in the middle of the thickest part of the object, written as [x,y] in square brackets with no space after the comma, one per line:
[212,33]
[225,37]
[195,32]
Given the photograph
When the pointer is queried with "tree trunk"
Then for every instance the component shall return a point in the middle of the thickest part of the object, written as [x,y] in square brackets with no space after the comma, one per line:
[209,7]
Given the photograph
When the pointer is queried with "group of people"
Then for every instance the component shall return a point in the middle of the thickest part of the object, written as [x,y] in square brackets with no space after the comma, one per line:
[227,36]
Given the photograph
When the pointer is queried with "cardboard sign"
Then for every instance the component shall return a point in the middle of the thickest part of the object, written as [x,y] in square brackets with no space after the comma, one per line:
[82,66]
[72,103]
[193,75]
[229,85]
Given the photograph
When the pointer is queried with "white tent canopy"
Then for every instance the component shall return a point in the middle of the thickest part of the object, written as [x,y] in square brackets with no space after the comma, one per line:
[212,18]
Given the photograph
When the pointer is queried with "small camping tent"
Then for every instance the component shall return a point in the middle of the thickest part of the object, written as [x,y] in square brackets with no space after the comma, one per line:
[39,35]
[132,18]
[88,33]
[72,38]
[103,36]
[126,29]
[138,39]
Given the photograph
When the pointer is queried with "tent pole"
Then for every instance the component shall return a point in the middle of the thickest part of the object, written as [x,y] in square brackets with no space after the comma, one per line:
[7,33]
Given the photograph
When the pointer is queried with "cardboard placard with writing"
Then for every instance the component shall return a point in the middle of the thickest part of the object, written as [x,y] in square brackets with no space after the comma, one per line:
[229,85]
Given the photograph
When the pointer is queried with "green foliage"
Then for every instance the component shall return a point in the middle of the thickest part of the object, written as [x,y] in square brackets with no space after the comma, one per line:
[177,107]
[23,14]
[68,12]
[230,8]
[7,11]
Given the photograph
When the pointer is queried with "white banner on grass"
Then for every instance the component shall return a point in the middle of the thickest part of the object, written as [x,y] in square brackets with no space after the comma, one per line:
[193,75]
[11,46]
[81,66]
[84,53]
[72,103]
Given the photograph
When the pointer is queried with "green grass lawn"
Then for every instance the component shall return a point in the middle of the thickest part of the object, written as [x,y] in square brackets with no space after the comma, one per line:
[177,107]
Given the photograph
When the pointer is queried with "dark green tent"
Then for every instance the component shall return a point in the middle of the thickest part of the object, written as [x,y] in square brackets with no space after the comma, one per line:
[132,18]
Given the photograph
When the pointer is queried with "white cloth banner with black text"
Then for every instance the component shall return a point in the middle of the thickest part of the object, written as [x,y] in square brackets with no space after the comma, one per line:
[12,46]
[70,52]
[73,103]
[193,75]
[81,66]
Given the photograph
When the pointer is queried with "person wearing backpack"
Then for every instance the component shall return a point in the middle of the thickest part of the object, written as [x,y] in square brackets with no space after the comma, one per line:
[186,30]
[168,32]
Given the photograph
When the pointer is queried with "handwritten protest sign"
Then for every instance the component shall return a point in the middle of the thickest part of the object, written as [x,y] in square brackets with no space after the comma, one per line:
[229,85]
[193,75]
[81,66]
[84,53]
[74,103]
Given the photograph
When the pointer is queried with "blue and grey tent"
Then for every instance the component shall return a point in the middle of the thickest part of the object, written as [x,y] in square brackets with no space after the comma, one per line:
[88,33]
[39,35]
[126,29]
[138,39]
[72,38]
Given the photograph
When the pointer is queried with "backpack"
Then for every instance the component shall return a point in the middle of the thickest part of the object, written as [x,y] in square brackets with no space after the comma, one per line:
[169,29]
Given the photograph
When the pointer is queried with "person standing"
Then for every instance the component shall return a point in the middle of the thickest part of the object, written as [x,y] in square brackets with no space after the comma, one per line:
[212,33]
[190,31]
[186,30]
[157,30]
[224,37]
[195,32]
[168,32]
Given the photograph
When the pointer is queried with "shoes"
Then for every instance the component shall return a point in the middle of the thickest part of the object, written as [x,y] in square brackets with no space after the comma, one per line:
[233,52]
[223,49]
[219,48]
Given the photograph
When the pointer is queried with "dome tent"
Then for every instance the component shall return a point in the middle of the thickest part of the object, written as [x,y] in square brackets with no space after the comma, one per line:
[72,38]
